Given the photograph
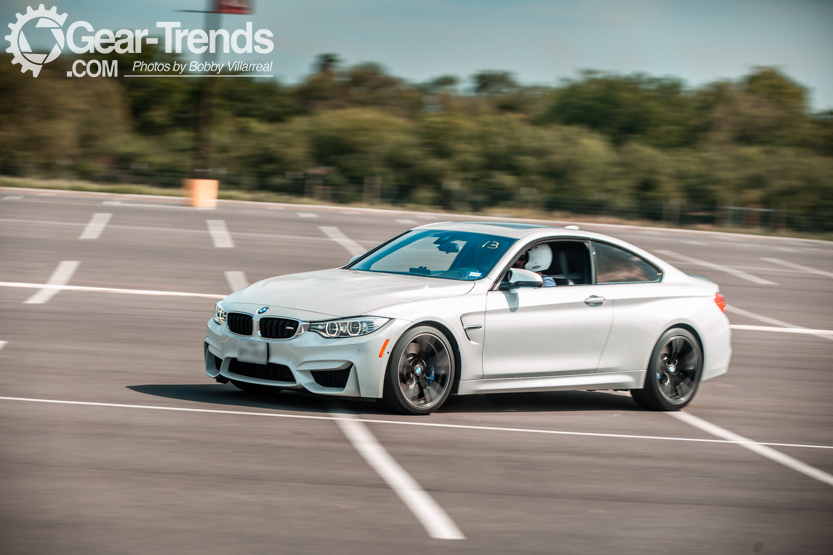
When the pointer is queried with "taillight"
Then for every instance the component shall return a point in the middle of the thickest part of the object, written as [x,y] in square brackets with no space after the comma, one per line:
[720,301]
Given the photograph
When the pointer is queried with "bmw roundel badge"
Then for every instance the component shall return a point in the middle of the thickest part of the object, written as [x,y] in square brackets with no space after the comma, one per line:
[262,310]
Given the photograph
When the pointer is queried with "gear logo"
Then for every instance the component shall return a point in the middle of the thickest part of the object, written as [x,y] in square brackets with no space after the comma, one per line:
[19,46]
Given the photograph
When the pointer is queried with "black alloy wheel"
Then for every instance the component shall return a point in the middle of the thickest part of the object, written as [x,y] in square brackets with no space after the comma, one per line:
[420,372]
[673,372]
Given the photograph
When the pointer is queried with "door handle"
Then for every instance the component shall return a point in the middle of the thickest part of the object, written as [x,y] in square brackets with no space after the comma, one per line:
[594,300]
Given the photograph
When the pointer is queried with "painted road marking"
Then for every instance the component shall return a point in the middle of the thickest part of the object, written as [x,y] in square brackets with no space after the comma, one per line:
[690,242]
[413,423]
[219,234]
[3,344]
[432,517]
[767,320]
[168,230]
[755,447]
[798,267]
[58,280]
[61,287]
[236,280]
[450,216]
[336,235]
[782,330]
[737,273]
[112,202]
[96,226]
[306,215]
[406,221]
[12,197]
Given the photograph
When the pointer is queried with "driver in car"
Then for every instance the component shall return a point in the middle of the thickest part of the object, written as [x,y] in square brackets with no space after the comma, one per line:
[537,259]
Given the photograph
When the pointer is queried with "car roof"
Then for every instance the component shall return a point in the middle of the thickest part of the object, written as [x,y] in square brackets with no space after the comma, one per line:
[533,232]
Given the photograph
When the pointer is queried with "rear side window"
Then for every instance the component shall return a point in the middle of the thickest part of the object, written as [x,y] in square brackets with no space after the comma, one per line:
[615,265]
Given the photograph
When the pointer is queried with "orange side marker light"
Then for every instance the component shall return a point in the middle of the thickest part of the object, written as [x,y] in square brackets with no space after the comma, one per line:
[385,346]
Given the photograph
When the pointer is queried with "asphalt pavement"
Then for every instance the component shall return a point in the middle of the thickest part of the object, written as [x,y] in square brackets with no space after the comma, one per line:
[113,439]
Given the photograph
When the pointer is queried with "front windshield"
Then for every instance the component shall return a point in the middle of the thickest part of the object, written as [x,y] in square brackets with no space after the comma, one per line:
[438,253]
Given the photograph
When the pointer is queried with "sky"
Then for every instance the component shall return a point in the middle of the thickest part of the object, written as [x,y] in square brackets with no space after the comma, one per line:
[541,42]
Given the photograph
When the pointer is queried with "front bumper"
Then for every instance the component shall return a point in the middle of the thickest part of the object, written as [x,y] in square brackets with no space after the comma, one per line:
[364,357]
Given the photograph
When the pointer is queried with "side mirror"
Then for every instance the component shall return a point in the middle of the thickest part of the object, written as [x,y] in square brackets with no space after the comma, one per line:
[519,277]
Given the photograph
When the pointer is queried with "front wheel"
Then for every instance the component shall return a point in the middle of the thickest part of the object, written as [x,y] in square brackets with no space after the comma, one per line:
[420,372]
[673,372]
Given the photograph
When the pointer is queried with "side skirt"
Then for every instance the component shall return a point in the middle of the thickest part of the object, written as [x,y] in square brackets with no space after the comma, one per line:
[613,380]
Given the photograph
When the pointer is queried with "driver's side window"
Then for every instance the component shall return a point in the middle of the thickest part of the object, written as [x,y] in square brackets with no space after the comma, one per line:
[559,263]
[570,263]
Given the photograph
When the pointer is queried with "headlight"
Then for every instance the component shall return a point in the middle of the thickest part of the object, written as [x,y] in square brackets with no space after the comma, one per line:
[219,314]
[348,327]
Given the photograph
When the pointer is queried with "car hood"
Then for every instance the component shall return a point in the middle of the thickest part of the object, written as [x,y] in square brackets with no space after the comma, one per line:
[341,293]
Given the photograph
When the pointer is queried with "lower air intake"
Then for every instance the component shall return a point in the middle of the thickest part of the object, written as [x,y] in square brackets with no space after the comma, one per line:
[273,372]
[331,378]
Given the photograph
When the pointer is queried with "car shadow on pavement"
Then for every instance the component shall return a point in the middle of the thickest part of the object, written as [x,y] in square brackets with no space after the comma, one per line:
[230,396]
[302,401]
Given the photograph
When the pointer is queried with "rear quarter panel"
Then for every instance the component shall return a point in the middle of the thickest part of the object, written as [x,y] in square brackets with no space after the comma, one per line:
[643,312]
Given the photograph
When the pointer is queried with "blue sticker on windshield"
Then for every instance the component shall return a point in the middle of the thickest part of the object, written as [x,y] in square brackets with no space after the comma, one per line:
[475,274]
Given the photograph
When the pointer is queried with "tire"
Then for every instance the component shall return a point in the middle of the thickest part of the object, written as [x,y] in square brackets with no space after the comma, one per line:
[673,372]
[255,387]
[420,372]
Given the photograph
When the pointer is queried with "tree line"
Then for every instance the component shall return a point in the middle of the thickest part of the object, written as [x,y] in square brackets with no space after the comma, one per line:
[635,144]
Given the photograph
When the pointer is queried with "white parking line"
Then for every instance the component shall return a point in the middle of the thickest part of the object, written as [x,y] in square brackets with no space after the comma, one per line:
[3,344]
[336,235]
[690,242]
[306,215]
[798,267]
[236,280]
[737,273]
[767,320]
[406,221]
[57,281]
[169,230]
[411,423]
[755,447]
[12,197]
[782,330]
[112,202]
[96,226]
[219,234]
[432,517]
[58,287]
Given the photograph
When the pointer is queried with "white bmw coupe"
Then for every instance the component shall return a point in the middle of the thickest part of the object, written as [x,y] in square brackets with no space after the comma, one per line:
[477,307]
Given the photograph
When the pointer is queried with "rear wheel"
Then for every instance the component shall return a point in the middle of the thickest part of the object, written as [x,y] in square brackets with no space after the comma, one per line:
[420,372]
[673,372]
[255,387]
